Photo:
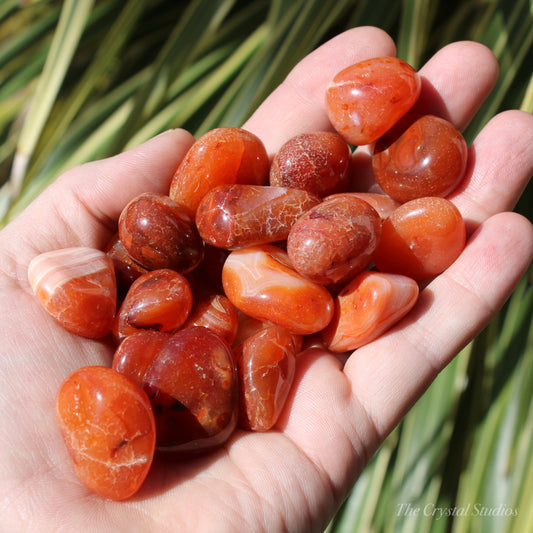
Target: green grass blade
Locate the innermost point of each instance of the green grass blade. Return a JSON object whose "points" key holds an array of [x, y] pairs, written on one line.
{"points": [[71, 25]]}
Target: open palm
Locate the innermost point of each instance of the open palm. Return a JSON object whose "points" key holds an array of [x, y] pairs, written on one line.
{"points": [[294, 477]]}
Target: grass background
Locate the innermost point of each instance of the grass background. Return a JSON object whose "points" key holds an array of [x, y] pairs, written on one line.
{"points": [[83, 79]]}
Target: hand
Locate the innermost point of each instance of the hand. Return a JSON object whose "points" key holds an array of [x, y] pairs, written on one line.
{"points": [[294, 477]]}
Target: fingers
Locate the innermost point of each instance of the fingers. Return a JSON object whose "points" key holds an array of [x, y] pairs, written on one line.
{"points": [[297, 105], [389, 375], [500, 166], [456, 81], [82, 206]]}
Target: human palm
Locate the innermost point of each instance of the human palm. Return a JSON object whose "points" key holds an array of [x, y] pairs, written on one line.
{"points": [[294, 477]]}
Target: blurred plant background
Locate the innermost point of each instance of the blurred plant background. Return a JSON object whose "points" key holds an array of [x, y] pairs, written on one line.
{"points": [[83, 79]]}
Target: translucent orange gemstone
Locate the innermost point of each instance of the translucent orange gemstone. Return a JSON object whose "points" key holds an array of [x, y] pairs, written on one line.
{"points": [[334, 240], [421, 238], [77, 287], [428, 158], [366, 99], [383, 204], [266, 363], [222, 155], [317, 162], [367, 307], [236, 216], [108, 426], [136, 352], [160, 300], [216, 312], [261, 283], [158, 233], [192, 384]]}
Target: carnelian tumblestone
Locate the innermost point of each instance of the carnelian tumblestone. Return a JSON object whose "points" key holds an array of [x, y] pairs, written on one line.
{"points": [[158, 233], [266, 363], [334, 240], [109, 429], [216, 312], [261, 283], [160, 300], [383, 204], [367, 307], [427, 159], [236, 216], [126, 269], [192, 384], [222, 155], [77, 287], [366, 99], [137, 351], [316, 162], [421, 238]]}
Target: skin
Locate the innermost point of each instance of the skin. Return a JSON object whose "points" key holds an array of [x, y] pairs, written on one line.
{"points": [[340, 409]]}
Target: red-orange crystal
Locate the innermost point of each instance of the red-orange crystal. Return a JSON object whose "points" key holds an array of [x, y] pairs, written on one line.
{"points": [[77, 287], [108, 426], [192, 384], [334, 240], [366, 99], [317, 162], [266, 363], [222, 155], [421, 238], [428, 158], [160, 300], [367, 307], [261, 283], [237, 216]]}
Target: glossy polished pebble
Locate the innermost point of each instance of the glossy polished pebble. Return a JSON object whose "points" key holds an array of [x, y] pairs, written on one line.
{"points": [[192, 384], [383, 204], [367, 307], [427, 159], [261, 283], [77, 287], [135, 354], [109, 429], [237, 216], [217, 313], [157, 233], [126, 269], [421, 239], [316, 162], [160, 300], [222, 155], [266, 363], [366, 99], [334, 240]]}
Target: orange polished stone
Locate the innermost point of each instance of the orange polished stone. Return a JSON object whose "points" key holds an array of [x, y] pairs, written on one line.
{"points": [[266, 364], [126, 269], [237, 216], [317, 162], [261, 283], [160, 299], [383, 204], [157, 233], [137, 351], [108, 426], [367, 307], [222, 155], [192, 384], [428, 158], [216, 312], [421, 239], [366, 99], [77, 287], [334, 240]]}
